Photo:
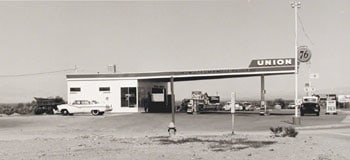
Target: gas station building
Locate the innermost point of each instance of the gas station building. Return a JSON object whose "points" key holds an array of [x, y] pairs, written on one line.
{"points": [[126, 92]]}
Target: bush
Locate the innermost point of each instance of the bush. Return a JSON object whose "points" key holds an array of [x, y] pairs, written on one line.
{"points": [[290, 132], [276, 131], [19, 108], [284, 131], [7, 109], [24, 108]]}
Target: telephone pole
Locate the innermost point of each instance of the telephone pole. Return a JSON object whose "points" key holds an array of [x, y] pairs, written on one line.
{"points": [[296, 5]]}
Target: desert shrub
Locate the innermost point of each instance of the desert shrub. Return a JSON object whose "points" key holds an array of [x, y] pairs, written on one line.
{"points": [[277, 131], [24, 108], [20, 108], [284, 131], [7, 109], [290, 131]]}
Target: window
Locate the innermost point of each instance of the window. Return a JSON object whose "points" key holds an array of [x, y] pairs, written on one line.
{"points": [[75, 89], [128, 96], [105, 89]]}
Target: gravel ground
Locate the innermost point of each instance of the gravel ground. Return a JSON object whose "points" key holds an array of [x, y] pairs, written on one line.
{"points": [[144, 136]]}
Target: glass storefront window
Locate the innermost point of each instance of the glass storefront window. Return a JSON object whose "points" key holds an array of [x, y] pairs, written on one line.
{"points": [[128, 96]]}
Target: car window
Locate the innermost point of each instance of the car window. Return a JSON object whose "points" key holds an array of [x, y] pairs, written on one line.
{"points": [[76, 102], [310, 100], [85, 102]]}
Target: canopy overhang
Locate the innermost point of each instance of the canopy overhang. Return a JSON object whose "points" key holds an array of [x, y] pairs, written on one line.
{"points": [[188, 75]]}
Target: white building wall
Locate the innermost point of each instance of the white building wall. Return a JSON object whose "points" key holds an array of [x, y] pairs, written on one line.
{"points": [[90, 91]]}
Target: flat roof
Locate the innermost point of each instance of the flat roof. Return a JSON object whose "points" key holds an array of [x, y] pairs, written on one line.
{"points": [[189, 75]]}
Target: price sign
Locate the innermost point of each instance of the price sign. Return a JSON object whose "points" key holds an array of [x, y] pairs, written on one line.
{"points": [[331, 106]]}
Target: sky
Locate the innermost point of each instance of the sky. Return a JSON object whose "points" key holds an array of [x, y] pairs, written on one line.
{"points": [[148, 36]]}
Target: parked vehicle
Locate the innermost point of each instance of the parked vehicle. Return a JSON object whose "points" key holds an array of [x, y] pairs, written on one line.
{"points": [[277, 106], [46, 105], [202, 102], [227, 107], [84, 106], [310, 105], [247, 106], [291, 106]]}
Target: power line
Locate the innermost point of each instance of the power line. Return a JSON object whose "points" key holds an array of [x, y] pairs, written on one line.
{"points": [[304, 31], [35, 74]]}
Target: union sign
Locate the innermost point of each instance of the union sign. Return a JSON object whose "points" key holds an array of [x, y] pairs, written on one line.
{"points": [[280, 62]]}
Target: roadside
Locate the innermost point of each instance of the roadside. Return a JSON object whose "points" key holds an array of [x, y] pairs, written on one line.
{"points": [[144, 136], [153, 124]]}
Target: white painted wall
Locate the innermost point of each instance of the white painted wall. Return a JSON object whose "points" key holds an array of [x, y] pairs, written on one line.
{"points": [[90, 91]]}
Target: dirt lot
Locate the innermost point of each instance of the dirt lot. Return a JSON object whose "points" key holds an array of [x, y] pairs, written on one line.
{"points": [[144, 136]]}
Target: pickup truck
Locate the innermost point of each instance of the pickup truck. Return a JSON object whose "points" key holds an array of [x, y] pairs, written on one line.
{"points": [[83, 106], [310, 105]]}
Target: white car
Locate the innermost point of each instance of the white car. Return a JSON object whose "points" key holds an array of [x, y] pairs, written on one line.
{"points": [[291, 106], [227, 107], [83, 106], [248, 106]]}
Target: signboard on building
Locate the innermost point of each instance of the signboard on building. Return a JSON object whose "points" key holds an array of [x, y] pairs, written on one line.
{"points": [[158, 97], [196, 94], [158, 94], [279, 62], [343, 98]]}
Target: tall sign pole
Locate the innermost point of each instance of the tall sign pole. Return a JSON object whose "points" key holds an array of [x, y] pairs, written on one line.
{"points": [[172, 127], [172, 100], [233, 103], [309, 93], [296, 5]]}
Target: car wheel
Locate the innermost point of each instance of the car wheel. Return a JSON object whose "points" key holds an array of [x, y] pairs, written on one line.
{"points": [[101, 113], [64, 112], [95, 112], [38, 111]]}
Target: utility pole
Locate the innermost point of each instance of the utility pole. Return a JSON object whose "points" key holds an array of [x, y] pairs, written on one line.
{"points": [[309, 93], [296, 5]]}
